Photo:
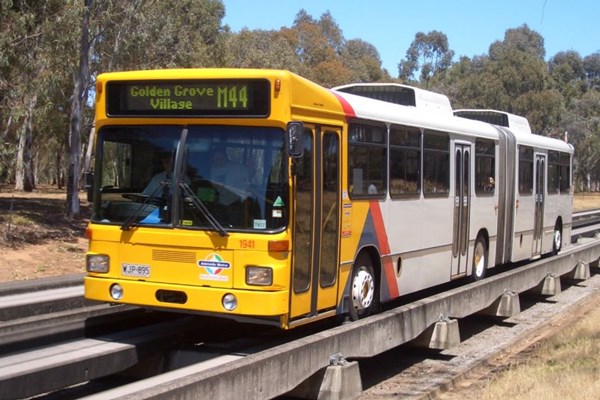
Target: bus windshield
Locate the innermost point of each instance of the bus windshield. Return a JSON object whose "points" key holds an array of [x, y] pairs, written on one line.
{"points": [[220, 178]]}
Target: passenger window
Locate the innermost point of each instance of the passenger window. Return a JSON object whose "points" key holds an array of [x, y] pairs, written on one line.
{"points": [[436, 164], [553, 172], [405, 162], [485, 167], [565, 173], [367, 160], [525, 170]]}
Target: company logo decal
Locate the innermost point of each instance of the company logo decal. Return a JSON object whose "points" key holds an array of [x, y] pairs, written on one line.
{"points": [[214, 264]]}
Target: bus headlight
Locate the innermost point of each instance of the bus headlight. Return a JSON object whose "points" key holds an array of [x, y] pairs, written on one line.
{"points": [[116, 291], [259, 276], [98, 263], [229, 302]]}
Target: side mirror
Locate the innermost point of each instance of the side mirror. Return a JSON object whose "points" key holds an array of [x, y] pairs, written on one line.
{"points": [[295, 139], [89, 185]]}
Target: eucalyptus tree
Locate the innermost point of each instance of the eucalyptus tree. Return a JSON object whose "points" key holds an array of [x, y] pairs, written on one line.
{"points": [[325, 54], [591, 65], [261, 49], [136, 34], [512, 77], [316, 43], [27, 35], [150, 34], [428, 55], [567, 71], [582, 122], [363, 59]]}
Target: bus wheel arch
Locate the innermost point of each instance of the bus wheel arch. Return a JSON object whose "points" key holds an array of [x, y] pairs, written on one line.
{"points": [[365, 284], [480, 256], [557, 236]]}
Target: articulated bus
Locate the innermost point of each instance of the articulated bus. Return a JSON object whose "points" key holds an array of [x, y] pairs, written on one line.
{"points": [[260, 196]]}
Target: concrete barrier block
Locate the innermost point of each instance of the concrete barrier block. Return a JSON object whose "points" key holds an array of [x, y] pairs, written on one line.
{"points": [[442, 335], [581, 272], [550, 286], [341, 382], [507, 305]]}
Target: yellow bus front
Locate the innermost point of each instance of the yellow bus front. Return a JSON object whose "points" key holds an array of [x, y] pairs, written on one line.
{"points": [[191, 206]]}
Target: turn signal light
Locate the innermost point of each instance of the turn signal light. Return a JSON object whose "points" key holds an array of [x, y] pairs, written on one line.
{"points": [[279, 245], [88, 233]]}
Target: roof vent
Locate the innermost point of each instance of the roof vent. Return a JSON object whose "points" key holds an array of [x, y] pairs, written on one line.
{"points": [[399, 94], [514, 122]]}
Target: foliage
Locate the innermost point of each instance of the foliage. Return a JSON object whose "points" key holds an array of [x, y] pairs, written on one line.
{"points": [[557, 96], [261, 49], [327, 57], [591, 65], [40, 57], [428, 54], [582, 122]]}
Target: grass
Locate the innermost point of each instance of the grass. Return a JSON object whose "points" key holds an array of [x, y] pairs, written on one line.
{"points": [[563, 367], [586, 201]]}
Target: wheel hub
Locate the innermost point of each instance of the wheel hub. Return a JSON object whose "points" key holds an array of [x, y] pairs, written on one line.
{"points": [[363, 290], [479, 260], [557, 239]]}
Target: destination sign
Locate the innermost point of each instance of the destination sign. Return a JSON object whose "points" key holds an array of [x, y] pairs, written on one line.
{"points": [[193, 98]]}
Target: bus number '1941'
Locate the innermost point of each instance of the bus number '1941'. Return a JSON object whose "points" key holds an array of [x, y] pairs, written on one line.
{"points": [[230, 96], [246, 244]]}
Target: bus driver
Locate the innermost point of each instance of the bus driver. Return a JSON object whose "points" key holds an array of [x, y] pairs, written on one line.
{"points": [[234, 176]]}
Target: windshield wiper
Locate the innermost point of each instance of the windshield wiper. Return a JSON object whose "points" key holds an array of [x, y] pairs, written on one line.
{"points": [[129, 221], [202, 208]]}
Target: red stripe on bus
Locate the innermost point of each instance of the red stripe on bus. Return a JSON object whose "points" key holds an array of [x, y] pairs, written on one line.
{"points": [[384, 248], [348, 110]]}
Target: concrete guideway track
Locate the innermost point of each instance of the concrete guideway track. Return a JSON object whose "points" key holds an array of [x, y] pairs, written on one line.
{"points": [[280, 369], [40, 370]]}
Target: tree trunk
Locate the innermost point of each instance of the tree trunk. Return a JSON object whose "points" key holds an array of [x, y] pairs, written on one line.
{"points": [[74, 172], [24, 169], [87, 163], [58, 167]]}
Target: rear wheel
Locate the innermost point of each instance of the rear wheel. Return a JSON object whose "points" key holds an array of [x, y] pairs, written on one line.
{"points": [[480, 259], [557, 239], [364, 289]]}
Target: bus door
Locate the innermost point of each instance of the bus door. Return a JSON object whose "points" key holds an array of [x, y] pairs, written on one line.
{"points": [[462, 208], [540, 186], [316, 202]]}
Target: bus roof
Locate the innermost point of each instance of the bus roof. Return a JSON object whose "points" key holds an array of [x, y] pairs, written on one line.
{"points": [[393, 113]]}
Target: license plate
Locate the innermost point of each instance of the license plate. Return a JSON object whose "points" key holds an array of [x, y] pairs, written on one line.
{"points": [[137, 270]]}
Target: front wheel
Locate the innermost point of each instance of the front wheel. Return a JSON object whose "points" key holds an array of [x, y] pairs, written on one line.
{"points": [[480, 259], [364, 289]]}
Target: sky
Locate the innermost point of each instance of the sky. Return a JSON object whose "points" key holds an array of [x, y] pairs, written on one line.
{"points": [[470, 25]]}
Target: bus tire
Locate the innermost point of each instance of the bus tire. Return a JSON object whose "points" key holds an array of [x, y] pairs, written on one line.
{"points": [[557, 238], [480, 259], [364, 290]]}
